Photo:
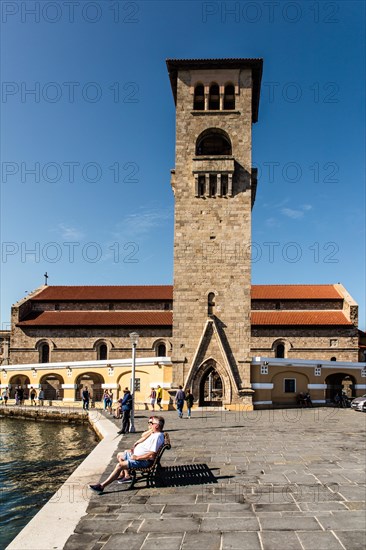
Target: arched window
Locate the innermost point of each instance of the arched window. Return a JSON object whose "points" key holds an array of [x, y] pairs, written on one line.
{"points": [[210, 303], [102, 352], [214, 98], [280, 351], [333, 359], [161, 350], [229, 97], [199, 98], [44, 353], [213, 142]]}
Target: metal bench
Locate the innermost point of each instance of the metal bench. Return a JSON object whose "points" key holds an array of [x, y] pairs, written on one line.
{"points": [[150, 472]]}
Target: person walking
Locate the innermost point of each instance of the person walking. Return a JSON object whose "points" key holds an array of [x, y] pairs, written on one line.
{"points": [[110, 402], [5, 396], [105, 399], [20, 395], [86, 398], [126, 407], [179, 400], [41, 398], [33, 395], [152, 398], [189, 400], [159, 396]]}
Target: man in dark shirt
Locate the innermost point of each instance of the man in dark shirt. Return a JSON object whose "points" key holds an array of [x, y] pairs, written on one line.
{"points": [[179, 400], [126, 407], [86, 396]]}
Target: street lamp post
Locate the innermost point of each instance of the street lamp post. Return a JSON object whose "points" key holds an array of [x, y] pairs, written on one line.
{"points": [[134, 337]]}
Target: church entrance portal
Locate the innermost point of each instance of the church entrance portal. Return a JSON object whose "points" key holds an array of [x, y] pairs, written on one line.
{"points": [[211, 389]]}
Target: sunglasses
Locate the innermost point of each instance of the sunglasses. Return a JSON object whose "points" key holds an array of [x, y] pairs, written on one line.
{"points": [[151, 422]]}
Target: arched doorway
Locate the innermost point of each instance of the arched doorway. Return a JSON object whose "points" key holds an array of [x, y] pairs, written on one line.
{"points": [[93, 382], [210, 384], [211, 389], [52, 387], [19, 380], [338, 382]]}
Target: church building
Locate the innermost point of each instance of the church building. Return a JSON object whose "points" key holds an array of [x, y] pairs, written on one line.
{"points": [[234, 344]]}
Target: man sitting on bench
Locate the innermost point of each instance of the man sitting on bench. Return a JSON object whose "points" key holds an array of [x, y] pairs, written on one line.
{"points": [[141, 455]]}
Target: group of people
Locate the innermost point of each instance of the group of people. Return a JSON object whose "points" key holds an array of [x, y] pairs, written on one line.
{"points": [[341, 399], [180, 398], [156, 396], [304, 399], [20, 396]]}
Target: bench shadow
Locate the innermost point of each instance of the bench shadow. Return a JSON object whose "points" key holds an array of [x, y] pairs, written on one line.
{"points": [[180, 476]]}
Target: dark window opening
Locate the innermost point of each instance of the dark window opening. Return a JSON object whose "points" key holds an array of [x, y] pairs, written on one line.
{"points": [[229, 97], [278, 305], [45, 353], [224, 184], [57, 307], [201, 186], [213, 144], [199, 98], [214, 98], [333, 359], [102, 352], [111, 307], [210, 303], [161, 350], [280, 351], [213, 180], [166, 306], [290, 385]]}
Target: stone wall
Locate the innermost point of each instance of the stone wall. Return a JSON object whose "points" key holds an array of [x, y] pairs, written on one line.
{"points": [[80, 343], [66, 415], [308, 342], [212, 234]]}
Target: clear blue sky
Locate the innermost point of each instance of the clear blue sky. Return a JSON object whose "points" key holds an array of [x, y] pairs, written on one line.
{"points": [[98, 131]]}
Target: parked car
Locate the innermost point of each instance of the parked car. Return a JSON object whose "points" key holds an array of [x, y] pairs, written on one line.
{"points": [[359, 404]]}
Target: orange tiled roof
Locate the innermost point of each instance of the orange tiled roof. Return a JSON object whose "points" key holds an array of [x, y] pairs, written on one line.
{"points": [[295, 292], [299, 318], [165, 318], [98, 318], [165, 292], [100, 293]]}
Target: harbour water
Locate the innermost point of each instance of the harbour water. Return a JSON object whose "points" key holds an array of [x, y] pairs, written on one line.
{"points": [[36, 458]]}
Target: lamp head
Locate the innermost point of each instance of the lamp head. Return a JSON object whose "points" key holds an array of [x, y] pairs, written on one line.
{"points": [[134, 337]]}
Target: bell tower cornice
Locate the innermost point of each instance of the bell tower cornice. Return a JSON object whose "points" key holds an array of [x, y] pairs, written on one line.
{"points": [[215, 66]]}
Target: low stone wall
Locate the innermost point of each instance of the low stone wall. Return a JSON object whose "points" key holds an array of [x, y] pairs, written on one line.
{"points": [[66, 415]]}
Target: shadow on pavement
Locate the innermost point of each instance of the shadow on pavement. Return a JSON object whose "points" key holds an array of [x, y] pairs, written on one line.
{"points": [[186, 474]]}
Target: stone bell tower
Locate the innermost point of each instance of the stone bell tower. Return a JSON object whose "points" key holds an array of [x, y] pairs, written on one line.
{"points": [[214, 186]]}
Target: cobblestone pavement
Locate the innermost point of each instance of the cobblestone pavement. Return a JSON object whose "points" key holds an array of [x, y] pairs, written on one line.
{"points": [[276, 479]]}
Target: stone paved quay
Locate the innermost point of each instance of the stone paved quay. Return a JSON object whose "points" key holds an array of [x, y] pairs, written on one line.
{"points": [[276, 479]]}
